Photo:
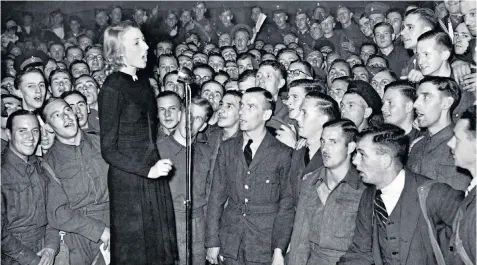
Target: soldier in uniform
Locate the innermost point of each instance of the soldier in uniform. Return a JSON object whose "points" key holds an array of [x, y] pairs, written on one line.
{"points": [[256, 224], [462, 145], [225, 24], [276, 34], [27, 237], [376, 13], [349, 27], [302, 30]]}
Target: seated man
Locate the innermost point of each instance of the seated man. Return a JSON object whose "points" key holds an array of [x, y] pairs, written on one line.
{"points": [[27, 237], [78, 197]]}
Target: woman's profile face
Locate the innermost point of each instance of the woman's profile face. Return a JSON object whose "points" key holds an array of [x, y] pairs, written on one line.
{"points": [[134, 48]]}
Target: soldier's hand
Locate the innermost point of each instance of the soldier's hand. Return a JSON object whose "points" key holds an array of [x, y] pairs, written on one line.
{"points": [[278, 257], [468, 82], [348, 47], [460, 69], [414, 76], [287, 135], [213, 255], [47, 256]]}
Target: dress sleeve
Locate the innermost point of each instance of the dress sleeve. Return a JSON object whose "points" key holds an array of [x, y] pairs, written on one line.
{"points": [[111, 103]]}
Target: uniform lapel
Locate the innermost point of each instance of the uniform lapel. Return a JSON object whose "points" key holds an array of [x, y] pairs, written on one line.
{"points": [[262, 151], [410, 212], [239, 151]]}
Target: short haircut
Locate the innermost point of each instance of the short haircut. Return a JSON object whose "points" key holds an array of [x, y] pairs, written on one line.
{"points": [[204, 103], [378, 56], [442, 39], [389, 139], [86, 75], [350, 131], [55, 43], [94, 46], [244, 56], [404, 87], [234, 93], [74, 47], [389, 71], [173, 94], [383, 24], [426, 15], [246, 74], [342, 78], [3, 96], [19, 76], [370, 44], [222, 49], [307, 65], [215, 54], [166, 40], [57, 71], [166, 56], [309, 85], [394, 10], [269, 102], [469, 115], [204, 66], [276, 66], [343, 62], [212, 81], [73, 92], [18, 113], [326, 104], [446, 85], [75, 62], [282, 51], [222, 72]]}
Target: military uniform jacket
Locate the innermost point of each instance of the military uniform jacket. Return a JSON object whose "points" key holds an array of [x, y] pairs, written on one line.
{"points": [[430, 156], [260, 211]]}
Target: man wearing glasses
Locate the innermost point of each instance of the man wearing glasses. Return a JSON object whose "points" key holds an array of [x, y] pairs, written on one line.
{"points": [[94, 58], [298, 70]]}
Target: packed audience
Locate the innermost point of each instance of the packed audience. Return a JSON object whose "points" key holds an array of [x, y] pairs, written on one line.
{"points": [[320, 137]]}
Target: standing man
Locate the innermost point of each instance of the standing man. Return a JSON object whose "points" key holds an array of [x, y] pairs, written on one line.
{"points": [[316, 110], [436, 99], [463, 148], [390, 226], [281, 27], [27, 237], [174, 148], [256, 224], [349, 27], [384, 37], [328, 205], [302, 30]]}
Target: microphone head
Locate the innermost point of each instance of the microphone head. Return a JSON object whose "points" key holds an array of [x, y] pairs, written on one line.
{"points": [[185, 75]]}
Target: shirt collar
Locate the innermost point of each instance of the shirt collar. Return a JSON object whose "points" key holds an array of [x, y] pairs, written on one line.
{"points": [[472, 185], [20, 165], [443, 134], [397, 185]]}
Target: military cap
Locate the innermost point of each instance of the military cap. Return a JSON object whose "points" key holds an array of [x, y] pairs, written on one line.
{"points": [[376, 8], [30, 57], [56, 12], [279, 10]]}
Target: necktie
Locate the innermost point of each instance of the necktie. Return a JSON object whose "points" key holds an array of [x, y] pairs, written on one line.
{"points": [[307, 156], [380, 208], [248, 152]]}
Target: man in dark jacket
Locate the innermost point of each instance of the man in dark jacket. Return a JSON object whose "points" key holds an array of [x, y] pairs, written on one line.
{"points": [[257, 222], [27, 237], [462, 145], [391, 227]]}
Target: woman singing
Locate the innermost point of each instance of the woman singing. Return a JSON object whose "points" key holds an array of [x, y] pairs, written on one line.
{"points": [[142, 215]]}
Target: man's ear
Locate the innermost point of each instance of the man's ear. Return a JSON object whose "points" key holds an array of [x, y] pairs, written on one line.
{"points": [[351, 147], [267, 114], [447, 102], [282, 82], [386, 160], [393, 37], [9, 134], [202, 128], [367, 112], [409, 107], [88, 108], [445, 55]]}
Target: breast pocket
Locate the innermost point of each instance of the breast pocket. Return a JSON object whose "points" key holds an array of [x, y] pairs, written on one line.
{"points": [[18, 198], [346, 212], [268, 185], [74, 182]]}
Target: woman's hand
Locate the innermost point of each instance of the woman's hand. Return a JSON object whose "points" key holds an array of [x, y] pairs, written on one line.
{"points": [[160, 169]]}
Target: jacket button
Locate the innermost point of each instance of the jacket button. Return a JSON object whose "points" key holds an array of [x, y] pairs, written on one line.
{"points": [[451, 248], [246, 187], [246, 200], [248, 172], [395, 253]]}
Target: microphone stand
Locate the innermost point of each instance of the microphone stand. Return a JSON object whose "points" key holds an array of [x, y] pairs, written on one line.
{"points": [[186, 76]]}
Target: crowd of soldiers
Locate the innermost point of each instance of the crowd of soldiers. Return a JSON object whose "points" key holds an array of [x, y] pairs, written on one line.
{"points": [[326, 138]]}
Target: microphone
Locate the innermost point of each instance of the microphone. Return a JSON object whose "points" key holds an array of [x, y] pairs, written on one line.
{"points": [[185, 75]]}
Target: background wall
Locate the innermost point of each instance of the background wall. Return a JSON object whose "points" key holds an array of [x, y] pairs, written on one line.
{"points": [[241, 9]]}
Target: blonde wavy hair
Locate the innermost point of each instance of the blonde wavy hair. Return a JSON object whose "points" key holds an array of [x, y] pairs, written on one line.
{"points": [[113, 46]]}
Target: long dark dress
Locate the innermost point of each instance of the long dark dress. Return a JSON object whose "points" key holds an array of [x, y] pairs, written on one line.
{"points": [[142, 214]]}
